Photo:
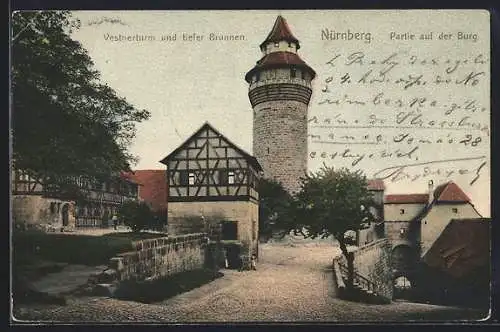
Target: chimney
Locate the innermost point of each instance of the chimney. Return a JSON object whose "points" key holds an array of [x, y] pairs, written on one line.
{"points": [[431, 191]]}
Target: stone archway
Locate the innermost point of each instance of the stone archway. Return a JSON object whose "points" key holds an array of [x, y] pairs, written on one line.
{"points": [[65, 215], [403, 262], [402, 286], [68, 214]]}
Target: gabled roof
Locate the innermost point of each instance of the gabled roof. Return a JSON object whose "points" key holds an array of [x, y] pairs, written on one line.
{"points": [[406, 199], [280, 31], [376, 185], [462, 246], [250, 159], [450, 192], [154, 187]]}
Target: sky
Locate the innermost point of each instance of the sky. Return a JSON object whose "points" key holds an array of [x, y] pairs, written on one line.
{"points": [[184, 83]]}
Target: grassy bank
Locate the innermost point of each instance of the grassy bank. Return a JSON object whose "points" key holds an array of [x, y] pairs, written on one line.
{"points": [[32, 246]]}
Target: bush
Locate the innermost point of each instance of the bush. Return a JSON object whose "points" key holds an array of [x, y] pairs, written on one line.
{"points": [[136, 215]]}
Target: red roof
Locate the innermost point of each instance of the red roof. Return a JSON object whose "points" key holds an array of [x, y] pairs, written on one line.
{"points": [[128, 177], [462, 246], [376, 185], [450, 192], [154, 187], [407, 199], [280, 31], [279, 59]]}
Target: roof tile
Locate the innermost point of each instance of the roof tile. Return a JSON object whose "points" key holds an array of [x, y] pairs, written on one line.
{"points": [[154, 187], [450, 192], [280, 31], [376, 185], [407, 198]]}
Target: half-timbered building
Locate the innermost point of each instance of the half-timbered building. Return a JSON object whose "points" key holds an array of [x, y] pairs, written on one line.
{"points": [[210, 177], [84, 201]]}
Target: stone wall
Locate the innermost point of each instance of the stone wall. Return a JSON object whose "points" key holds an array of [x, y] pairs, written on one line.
{"points": [[35, 210], [161, 257], [245, 213], [280, 140], [372, 261], [439, 217], [367, 235]]}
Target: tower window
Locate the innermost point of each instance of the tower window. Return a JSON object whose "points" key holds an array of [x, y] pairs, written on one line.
{"points": [[289, 44], [402, 211], [276, 44], [303, 75], [293, 73], [454, 210]]}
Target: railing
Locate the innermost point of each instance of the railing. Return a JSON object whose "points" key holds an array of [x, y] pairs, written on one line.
{"points": [[359, 279]]}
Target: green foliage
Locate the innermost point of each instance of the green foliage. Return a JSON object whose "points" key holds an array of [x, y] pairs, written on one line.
{"points": [[136, 215], [64, 120], [274, 207], [332, 202]]}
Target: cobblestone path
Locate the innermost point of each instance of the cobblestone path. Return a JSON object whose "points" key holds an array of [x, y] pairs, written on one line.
{"points": [[292, 283]]}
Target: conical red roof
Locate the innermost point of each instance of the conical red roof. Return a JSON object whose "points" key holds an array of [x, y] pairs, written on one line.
{"points": [[280, 31]]}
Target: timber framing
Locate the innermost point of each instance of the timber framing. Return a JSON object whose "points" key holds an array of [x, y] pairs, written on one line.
{"points": [[209, 167]]}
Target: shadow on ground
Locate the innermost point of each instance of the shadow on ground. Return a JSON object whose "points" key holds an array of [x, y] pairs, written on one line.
{"points": [[161, 289]]}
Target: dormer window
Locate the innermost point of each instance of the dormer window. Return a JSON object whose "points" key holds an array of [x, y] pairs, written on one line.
{"points": [[454, 210], [289, 44]]}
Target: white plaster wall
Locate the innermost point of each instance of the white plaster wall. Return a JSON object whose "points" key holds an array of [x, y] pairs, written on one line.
{"points": [[439, 217], [392, 211], [281, 47]]}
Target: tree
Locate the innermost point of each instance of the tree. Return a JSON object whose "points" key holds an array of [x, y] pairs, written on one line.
{"points": [[136, 215], [65, 122], [274, 204], [332, 202]]}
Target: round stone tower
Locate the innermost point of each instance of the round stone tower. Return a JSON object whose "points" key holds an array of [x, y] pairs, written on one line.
{"points": [[280, 91]]}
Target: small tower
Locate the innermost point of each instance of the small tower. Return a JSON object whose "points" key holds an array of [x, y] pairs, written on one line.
{"points": [[280, 91]]}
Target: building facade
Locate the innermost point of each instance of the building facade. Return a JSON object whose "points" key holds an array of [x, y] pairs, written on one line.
{"points": [[279, 92], [91, 204], [375, 230], [413, 223], [153, 187], [210, 179]]}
